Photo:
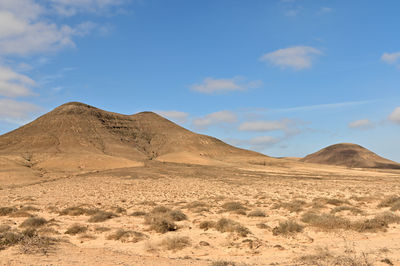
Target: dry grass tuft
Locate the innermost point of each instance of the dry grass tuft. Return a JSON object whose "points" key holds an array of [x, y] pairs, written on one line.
{"points": [[228, 225], [331, 222], [101, 216], [20, 213], [174, 215], [326, 221], [256, 213], [37, 244], [223, 263], [160, 224], [353, 210], [287, 228], [389, 201], [7, 210], [101, 229], [138, 213], [175, 242], [324, 257], [207, 225], [33, 222], [233, 206], [120, 234], [76, 229], [29, 241], [293, 206], [77, 211]]}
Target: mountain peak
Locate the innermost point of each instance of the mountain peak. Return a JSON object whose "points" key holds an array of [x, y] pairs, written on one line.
{"points": [[350, 155]]}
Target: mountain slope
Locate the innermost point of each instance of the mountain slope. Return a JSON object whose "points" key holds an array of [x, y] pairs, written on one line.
{"points": [[80, 135], [350, 155]]}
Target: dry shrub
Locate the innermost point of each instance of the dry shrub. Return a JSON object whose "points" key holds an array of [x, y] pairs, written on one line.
{"points": [[118, 209], [332, 201], [207, 225], [29, 208], [326, 221], [256, 213], [76, 229], [389, 201], [195, 205], [330, 222], [175, 242], [324, 257], [101, 216], [77, 211], [29, 241], [223, 263], [293, 206], [120, 234], [352, 209], [287, 228], [160, 224], [262, 226], [20, 213], [138, 213], [174, 215], [369, 225], [33, 222], [228, 225], [102, 229], [233, 206], [37, 244], [7, 210], [395, 206]]}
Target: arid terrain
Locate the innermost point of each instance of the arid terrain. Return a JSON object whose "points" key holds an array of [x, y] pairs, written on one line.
{"points": [[84, 186]]}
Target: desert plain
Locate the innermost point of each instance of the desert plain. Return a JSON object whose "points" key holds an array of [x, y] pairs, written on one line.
{"points": [[82, 186]]}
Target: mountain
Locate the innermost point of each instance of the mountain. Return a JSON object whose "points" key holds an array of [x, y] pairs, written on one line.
{"points": [[350, 155], [80, 136]]}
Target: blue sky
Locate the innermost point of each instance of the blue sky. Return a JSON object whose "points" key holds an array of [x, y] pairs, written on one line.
{"points": [[283, 77]]}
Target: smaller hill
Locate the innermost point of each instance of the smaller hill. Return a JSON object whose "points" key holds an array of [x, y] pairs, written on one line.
{"points": [[350, 155]]}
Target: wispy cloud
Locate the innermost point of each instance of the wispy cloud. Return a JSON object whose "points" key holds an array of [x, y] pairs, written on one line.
{"points": [[296, 57], [395, 115], [74, 7], [320, 106], [263, 126], [211, 85], [217, 118], [17, 112], [178, 116], [391, 58], [13, 84], [324, 10], [361, 124]]}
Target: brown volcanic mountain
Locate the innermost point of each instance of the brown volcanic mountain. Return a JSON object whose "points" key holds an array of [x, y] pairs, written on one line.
{"points": [[77, 135], [350, 155]]}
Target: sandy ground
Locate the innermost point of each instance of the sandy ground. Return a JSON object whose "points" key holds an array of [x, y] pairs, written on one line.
{"points": [[260, 200]]}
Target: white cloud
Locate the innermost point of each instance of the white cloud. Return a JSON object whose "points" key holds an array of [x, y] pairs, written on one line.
{"points": [[263, 126], [361, 124], [13, 84], [395, 115], [217, 118], [180, 117], [391, 58], [16, 112], [211, 85], [22, 36], [296, 57], [263, 141], [73, 7], [259, 143], [324, 10]]}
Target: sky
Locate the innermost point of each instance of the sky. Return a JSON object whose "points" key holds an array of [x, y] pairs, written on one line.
{"points": [[282, 77]]}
